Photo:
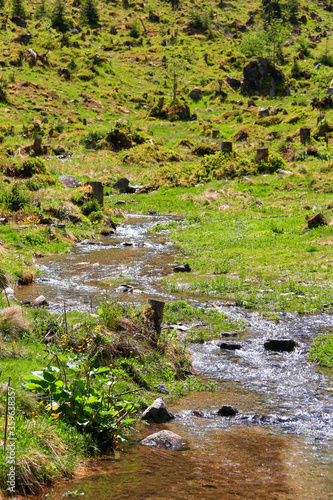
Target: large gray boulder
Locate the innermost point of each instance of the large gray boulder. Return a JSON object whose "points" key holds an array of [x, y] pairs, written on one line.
{"points": [[164, 439], [70, 181], [261, 77], [157, 412]]}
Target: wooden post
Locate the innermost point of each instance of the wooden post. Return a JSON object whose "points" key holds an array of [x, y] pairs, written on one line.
{"points": [[262, 153], [157, 307], [226, 146], [304, 134]]}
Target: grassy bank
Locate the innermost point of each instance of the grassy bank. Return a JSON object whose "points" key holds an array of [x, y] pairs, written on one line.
{"points": [[79, 380]]}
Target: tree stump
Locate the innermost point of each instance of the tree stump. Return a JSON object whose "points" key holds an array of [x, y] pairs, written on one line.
{"points": [[262, 153], [97, 191], [157, 308], [37, 146], [226, 146], [304, 134]]}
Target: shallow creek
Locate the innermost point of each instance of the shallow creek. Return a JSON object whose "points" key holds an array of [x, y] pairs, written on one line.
{"points": [[280, 445]]}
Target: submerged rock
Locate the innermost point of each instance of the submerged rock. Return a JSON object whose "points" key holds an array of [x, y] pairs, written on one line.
{"points": [[157, 412], [280, 345], [227, 411], [230, 347], [164, 439]]}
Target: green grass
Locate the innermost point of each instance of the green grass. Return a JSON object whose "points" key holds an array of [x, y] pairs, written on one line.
{"points": [[321, 351]]}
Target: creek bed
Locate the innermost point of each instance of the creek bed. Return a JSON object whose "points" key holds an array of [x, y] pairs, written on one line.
{"points": [[280, 445]]}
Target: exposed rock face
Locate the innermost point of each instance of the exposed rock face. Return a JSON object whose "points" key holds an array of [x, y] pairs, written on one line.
{"points": [[262, 77], [317, 220], [157, 412], [280, 345], [164, 439]]}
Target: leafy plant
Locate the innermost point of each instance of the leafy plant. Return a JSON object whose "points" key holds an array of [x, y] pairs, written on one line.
{"points": [[81, 395]]}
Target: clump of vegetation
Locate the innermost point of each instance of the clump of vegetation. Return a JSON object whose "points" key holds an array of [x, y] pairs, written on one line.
{"points": [[321, 351], [15, 198], [12, 324], [28, 168], [91, 206]]}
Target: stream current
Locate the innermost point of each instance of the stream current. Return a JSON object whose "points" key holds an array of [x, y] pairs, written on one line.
{"points": [[279, 445]]}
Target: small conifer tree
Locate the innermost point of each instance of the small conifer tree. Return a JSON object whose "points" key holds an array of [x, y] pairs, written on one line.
{"points": [[89, 13], [17, 8], [58, 18], [41, 10]]}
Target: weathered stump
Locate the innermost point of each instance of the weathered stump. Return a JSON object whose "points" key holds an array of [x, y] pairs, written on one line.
{"points": [[226, 146], [304, 134], [37, 146], [97, 191], [262, 153]]}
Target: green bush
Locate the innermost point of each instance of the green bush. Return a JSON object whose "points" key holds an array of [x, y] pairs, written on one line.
{"points": [[17, 198], [91, 206], [96, 216], [135, 31], [92, 139]]}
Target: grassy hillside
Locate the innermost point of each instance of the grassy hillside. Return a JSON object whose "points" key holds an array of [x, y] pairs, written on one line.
{"points": [[149, 91]]}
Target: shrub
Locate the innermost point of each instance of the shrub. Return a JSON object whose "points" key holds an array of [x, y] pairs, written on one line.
{"points": [[58, 18], [135, 31], [92, 139], [17, 8], [16, 198], [96, 216], [91, 206], [30, 167], [89, 13]]}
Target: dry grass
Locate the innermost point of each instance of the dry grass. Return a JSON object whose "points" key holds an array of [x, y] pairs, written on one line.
{"points": [[12, 323]]}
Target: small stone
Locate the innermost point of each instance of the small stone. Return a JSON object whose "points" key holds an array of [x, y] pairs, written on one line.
{"points": [[182, 269], [39, 301], [227, 411], [230, 347], [164, 439], [280, 345], [157, 412], [161, 388]]}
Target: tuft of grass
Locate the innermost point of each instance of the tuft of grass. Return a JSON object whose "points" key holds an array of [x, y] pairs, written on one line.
{"points": [[321, 351]]}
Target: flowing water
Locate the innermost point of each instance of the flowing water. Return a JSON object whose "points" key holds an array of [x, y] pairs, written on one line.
{"points": [[279, 445]]}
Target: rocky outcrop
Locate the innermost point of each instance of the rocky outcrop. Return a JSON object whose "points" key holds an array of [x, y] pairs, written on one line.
{"points": [[164, 439], [157, 412], [261, 77]]}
